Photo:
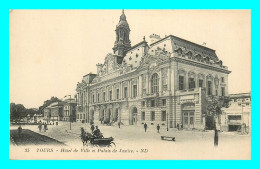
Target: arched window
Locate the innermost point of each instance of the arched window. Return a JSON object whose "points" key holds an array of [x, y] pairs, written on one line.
{"points": [[155, 83]]}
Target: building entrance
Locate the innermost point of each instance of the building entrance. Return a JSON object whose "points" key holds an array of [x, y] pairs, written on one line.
{"points": [[188, 119], [133, 116]]}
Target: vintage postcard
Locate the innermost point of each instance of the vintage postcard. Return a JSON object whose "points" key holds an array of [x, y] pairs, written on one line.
{"points": [[130, 84]]}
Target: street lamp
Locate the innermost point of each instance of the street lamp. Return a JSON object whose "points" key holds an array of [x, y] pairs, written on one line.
{"points": [[69, 110], [167, 122]]}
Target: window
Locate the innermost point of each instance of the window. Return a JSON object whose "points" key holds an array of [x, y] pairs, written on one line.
{"points": [[154, 83], [93, 98], [152, 116], [222, 79], [216, 92], [200, 83], [125, 92], [98, 98], [191, 83], [104, 96], [135, 90], [80, 116], [110, 95], [117, 93], [209, 88], [163, 116], [152, 103], [83, 116], [143, 116], [222, 91], [143, 103], [164, 102], [181, 82]]}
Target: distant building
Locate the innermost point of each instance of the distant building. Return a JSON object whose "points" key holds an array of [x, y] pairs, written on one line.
{"points": [[238, 112], [53, 112], [166, 82], [69, 110]]}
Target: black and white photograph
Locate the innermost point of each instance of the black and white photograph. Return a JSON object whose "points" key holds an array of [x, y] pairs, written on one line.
{"points": [[130, 84]]}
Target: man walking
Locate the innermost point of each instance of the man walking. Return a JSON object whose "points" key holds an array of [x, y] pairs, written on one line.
{"points": [[40, 127], [158, 128], [145, 127]]}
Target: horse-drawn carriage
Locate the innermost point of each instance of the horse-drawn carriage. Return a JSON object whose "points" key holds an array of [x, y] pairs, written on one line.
{"points": [[93, 140]]}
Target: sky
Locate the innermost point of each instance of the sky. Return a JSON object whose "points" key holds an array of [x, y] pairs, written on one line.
{"points": [[51, 50]]}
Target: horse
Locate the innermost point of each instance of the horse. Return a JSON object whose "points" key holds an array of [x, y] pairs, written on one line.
{"points": [[85, 136], [95, 140]]}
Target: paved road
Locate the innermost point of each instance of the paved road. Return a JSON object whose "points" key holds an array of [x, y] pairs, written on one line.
{"points": [[29, 137]]}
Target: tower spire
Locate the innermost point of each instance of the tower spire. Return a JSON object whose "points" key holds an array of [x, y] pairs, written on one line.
{"points": [[122, 43]]}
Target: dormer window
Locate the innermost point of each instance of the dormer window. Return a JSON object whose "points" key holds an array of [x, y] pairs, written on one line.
{"points": [[130, 58], [137, 55], [164, 45]]}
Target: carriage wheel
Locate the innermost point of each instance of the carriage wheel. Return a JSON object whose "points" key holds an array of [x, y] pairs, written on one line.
{"points": [[112, 145]]}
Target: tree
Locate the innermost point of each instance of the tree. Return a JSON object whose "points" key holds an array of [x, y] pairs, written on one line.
{"points": [[214, 106], [48, 102], [17, 111], [214, 110]]}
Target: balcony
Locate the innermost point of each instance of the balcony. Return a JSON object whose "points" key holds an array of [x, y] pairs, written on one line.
{"points": [[188, 91]]}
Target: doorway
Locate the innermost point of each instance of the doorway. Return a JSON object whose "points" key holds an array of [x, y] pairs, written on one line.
{"points": [[133, 116], [188, 119]]}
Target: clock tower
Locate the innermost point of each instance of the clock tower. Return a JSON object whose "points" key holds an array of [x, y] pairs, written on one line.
{"points": [[122, 43]]}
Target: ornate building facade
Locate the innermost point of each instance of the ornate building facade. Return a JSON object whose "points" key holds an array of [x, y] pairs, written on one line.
{"points": [[166, 82]]}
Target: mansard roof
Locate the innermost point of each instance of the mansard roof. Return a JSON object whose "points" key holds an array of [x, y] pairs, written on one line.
{"points": [[137, 45], [198, 45]]}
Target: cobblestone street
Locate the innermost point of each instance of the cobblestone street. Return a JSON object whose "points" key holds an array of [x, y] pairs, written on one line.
{"points": [[188, 144]]}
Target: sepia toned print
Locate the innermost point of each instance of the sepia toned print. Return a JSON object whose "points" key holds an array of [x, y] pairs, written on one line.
{"points": [[104, 91]]}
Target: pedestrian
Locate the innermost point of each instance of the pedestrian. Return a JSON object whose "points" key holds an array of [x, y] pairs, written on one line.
{"points": [[92, 128], [216, 138], [40, 127], [158, 128], [118, 124], [45, 127], [145, 127], [20, 131], [178, 127]]}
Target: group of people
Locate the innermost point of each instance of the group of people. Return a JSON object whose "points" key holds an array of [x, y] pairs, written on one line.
{"points": [[157, 127], [42, 126], [96, 132]]}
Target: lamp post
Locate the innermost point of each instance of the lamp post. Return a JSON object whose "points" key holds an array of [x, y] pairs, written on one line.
{"points": [[69, 110], [167, 122]]}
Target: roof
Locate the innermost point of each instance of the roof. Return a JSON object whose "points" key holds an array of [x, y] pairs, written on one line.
{"points": [[240, 95], [182, 40], [138, 44]]}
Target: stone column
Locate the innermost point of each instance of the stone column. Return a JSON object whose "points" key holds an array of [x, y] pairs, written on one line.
{"points": [[147, 84], [169, 79], [140, 86], [130, 88], [121, 90], [160, 81]]}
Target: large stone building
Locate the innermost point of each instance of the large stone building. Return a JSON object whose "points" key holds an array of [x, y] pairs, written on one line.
{"points": [[166, 82]]}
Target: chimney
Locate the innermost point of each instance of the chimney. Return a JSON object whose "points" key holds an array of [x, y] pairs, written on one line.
{"points": [[153, 38]]}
